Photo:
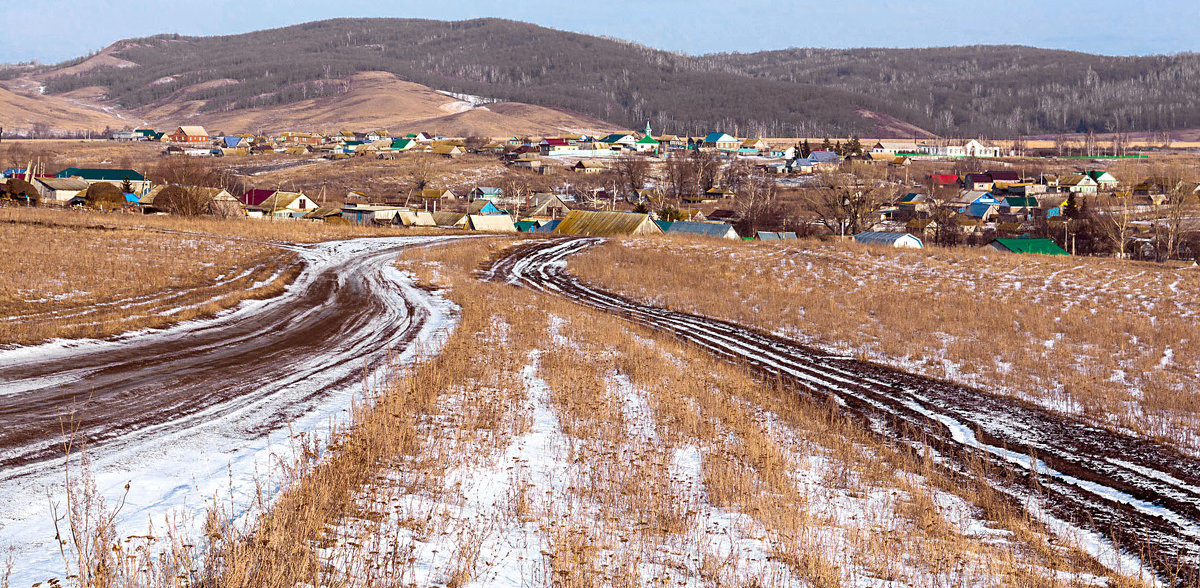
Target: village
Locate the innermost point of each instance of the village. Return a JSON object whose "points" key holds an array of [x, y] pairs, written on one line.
{"points": [[887, 192]]}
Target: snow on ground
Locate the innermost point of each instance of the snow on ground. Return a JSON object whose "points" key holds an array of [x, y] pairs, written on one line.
{"points": [[175, 476]]}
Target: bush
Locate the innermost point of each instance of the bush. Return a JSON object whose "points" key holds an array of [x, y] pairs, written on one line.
{"points": [[181, 201], [19, 187]]}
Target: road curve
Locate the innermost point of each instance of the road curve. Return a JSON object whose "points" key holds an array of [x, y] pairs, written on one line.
{"points": [[1142, 496], [204, 407]]}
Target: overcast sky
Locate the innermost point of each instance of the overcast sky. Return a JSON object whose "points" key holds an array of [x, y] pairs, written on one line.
{"points": [[55, 30]]}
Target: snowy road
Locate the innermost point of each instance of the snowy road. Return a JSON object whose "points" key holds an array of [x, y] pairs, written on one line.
{"points": [[200, 409], [1118, 496]]}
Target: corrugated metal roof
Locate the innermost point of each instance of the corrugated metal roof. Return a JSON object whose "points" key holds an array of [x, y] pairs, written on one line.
{"points": [[1041, 246], [449, 219], [491, 223], [416, 218], [715, 230], [591, 223], [64, 183], [889, 239], [548, 227]]}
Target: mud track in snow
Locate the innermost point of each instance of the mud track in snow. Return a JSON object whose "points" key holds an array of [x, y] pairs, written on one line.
{"points": [[330, 323], [1142, 496]]}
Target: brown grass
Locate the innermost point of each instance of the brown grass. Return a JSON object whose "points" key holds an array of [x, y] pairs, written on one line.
{"points": [[612, 457], [66, 273], [1105, 339]]}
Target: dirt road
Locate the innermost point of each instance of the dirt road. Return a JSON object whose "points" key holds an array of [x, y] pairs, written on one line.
{"points": [[1116, 489], [177, 410]]}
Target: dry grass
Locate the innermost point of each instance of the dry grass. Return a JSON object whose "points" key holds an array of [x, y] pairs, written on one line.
{"points": [[550, 444], [72, 274], [1108, 340]]}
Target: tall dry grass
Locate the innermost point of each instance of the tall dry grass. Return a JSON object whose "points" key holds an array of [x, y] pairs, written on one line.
{"points": [[1107, 340], [550, 444]]}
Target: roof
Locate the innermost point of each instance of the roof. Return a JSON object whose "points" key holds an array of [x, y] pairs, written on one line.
{"points": [[823, 156], [435, 193], [591, 223], [664, 225], [492, 223], [1005, 176], [647, 140], [979, 178], [401, 144], [1021, 201], [194, 131], [719, 138], [525, 226], [1040, 246], [416, 218], [1076, 180], [256, 197], [548, 227], [913, 197], [280, 200], [615, 137], [717, 230], [943, 178], [483, 207], [590, 164], [889, 239], [446, 149], [64, 183], [487, 191], [449, 219], [324, 212], [98, 174], [556, 142]]}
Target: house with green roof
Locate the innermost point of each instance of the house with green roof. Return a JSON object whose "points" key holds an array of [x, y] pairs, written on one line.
{"points": [[646, 143], [1103, 179], [1038, 246], [116, 177]]}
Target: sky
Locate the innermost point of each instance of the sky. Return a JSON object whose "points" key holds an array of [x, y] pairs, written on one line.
{"points": [[64, 29]]}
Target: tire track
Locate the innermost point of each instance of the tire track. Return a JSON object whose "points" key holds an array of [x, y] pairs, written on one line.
{"points": [[1142, 496]]}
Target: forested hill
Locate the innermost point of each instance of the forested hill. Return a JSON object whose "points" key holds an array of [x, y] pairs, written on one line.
{"points": [[964, 91]]}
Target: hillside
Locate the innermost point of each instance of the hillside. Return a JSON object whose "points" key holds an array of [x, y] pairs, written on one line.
{"points": [[954, 91]]}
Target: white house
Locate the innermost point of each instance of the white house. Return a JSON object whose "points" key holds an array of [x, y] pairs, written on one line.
{"points": [[971, 148]]}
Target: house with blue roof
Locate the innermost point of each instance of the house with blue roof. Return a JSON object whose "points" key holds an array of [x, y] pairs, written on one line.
{"points": [[721, 141], [485, 193], [977, 205], [231, 142]]}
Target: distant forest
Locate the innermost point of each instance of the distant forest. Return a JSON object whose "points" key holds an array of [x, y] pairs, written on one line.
{"points": [[959, 91]]}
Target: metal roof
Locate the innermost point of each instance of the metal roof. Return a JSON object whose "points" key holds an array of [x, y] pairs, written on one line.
{"points": [[106, 175], [889, 239], [491, 223], [1040, 246], [591, 223], [716, 230]]}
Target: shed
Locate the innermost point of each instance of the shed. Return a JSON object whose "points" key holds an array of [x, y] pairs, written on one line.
{"points": [[591, 223], [490, 223], [1039, 246], [456, 220], [898, 240], [714, 230], [414, 218]]}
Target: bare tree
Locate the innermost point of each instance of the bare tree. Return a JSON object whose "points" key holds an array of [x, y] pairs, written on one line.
{"points": [[680, 178], [756, 203], [1114, 224], [420, 174], [846, 202], [632, 171]]}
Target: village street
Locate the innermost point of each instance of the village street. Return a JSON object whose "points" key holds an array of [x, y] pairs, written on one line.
{"points": [[207, 407]]}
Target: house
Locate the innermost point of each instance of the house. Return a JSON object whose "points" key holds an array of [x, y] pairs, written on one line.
{"points": [[301, 138], [626, 139], [898, 240], [557, 147], [589, 166], [894, 147], [913, 204], [754, 146], [824, 159], [645, 144], [483, 207], [1077, 183], [490, 223], [1039, 246], [447, 150], [283, 203], [720, 141], [979, 182], [724, 215], [402, 144], [436, 195], [485, 193], [414, 218], [977, 205], [59, 190], [256, 196], [366, 214], [117, 177], [703, 229], [800, 166], [189, 134], [590, 223], [220, 201], [971, 148], [1103, 179], [546, 205], [323, 214], [456, 220], [1023, 207]]}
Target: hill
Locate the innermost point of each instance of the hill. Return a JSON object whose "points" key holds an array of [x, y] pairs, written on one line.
{"points": [[951, 91]]}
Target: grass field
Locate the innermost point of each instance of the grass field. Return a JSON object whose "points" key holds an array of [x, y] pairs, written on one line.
{"points": [[574, 449], [1108, 340], [71, 274]]}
